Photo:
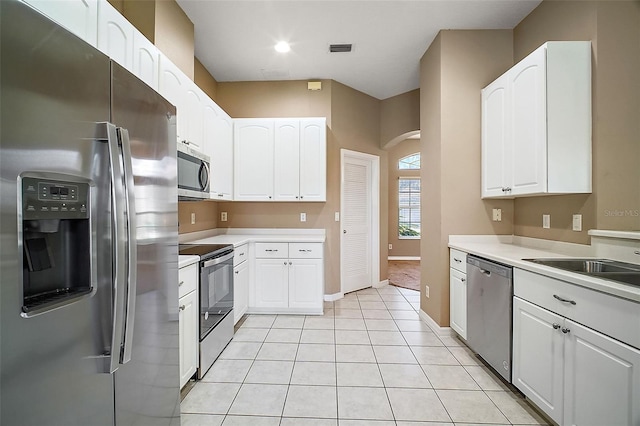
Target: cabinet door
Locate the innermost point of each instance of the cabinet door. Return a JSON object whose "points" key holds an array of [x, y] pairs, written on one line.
{"points": [[496, 146], [458, 302], [78, 16], [538, 356], [313, 160], [218, 142], [306, 284], [172, 85], [253, 160], [194, 102], [528, 126], [115, 35], [602, 379], [240, 290], [271, 283], [287, 160], [188, 330], [146, 60]]}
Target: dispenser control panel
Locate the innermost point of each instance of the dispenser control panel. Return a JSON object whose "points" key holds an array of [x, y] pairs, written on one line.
{"points": [[52, 199]]}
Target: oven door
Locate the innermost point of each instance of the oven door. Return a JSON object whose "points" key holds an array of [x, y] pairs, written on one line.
{"points": [[216, 291]]}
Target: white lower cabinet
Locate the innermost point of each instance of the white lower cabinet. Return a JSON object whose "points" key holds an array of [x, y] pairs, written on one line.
{"points": [[240, 282], [575, 374], [458, 292], [188, 321], [289, 278]]}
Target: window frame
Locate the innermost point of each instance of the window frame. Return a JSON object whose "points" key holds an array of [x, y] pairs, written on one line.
{"points": [[410, 207]]}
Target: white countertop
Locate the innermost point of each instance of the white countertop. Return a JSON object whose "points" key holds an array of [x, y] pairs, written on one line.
{"points": [[184, 260], [512, 250], [238, 237]]}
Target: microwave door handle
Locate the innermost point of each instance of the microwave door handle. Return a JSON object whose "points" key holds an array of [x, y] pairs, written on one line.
{"points": [[132, 258], [204, 182], [218, 260], [119, 248]]}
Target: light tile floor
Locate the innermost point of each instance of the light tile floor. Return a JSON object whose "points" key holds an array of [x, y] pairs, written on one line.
{"points": [[369, 360]]}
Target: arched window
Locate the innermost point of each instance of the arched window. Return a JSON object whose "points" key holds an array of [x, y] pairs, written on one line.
{"points": [[409, 199], [410, 162]]}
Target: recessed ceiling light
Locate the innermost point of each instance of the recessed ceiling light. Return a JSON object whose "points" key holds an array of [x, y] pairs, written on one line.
{"points": [[282, 47]]}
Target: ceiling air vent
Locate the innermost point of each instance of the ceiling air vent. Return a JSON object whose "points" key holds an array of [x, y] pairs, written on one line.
{"points": [[336, 48]]}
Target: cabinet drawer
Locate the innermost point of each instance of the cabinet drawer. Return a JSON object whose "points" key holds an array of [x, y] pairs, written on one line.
{"points": [[187, 279], [611, 315], [240, 254], [458, 260], [305, 250], [272, 250]]}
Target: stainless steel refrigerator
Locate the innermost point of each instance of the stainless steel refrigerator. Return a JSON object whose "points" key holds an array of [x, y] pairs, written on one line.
{"points": [[88, 235]]}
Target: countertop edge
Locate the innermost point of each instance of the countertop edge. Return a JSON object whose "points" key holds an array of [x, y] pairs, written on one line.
{"points": [[186, 260]]}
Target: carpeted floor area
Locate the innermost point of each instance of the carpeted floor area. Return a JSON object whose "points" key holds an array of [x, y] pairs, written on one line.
{"points": [[405, 273]]}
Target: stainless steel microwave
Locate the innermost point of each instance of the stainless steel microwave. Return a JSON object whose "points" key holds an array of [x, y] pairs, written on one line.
{"points": [[193, 174]]}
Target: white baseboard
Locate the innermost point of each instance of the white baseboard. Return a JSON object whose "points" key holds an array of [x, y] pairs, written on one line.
{"points": [[381, 284], [333, 297], [440, 331], [403, 258]]}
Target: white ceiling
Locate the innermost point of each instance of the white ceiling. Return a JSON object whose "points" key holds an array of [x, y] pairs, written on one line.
{"points": [[235, 39]]}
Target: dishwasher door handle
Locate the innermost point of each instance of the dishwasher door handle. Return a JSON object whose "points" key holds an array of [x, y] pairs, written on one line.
{"points": [[487, 273]]}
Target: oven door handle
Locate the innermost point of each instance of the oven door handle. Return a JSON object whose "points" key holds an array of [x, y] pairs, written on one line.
{"points": [[218, 260]]}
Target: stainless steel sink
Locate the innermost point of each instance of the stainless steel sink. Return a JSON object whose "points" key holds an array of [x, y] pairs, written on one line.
{"points": [[628, 273]]}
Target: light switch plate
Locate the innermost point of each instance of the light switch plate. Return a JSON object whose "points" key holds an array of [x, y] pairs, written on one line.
{"points": [[223, 216], [577, 222], [303, 217], [390, 246], [546, 221], [193, 218], [336, 216]]}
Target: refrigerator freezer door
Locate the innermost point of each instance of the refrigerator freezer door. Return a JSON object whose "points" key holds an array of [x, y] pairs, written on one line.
{"points": [[55, 88], [147, 386]]}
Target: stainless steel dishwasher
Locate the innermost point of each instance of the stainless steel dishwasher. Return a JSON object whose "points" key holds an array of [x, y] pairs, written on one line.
{"points": [[489, 312]]}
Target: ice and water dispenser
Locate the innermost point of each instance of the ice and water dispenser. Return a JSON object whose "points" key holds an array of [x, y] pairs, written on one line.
{"points": [[56, 240]]}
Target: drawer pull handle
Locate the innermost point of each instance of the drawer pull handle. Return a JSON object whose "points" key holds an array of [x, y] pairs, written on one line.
{"points": [[487, 273], [271, 250], [237, 272], [564, 300], [565, 330], [180, 284], [556, 326], [241, 254], [305, 251], [637, 252], [457, 260], [182, 307]]}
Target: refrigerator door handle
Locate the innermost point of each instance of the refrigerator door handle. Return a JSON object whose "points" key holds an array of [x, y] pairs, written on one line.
{"points": [[119, 247], [132, 258]]}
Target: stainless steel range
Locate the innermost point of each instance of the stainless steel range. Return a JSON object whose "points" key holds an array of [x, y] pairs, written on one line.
{"points": [[216, 299]]}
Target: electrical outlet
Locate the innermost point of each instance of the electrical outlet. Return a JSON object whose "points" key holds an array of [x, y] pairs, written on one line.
{"points": [[546, 221], [390, 246], [303, 217], [193, 218], [577, 222], [336, 216], [426, 291], [497, 215], [223, 216]]}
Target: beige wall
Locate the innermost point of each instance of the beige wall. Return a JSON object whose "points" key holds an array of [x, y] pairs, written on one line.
{"points": [[401, 247], [206, 216], [352, 121], [204, 80], [452, 72], [174, 35], [399, 115], [614, 29]]}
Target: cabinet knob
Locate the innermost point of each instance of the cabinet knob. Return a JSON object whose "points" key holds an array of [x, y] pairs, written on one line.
{"points": [[637, 252], [556, 326], [182, 307], [180, 283], [290, 263], [297, 197], [301, 197], [285, 263], [237, 272], [565, 330], [463, 279], [269, 196], [344, 231]]}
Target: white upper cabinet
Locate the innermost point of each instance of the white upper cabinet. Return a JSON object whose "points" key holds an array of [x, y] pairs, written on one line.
{"points": [[253, 159], [115, 35], [536, 124], [218, 142], [146, 60], [193, 117], [172, 85], [287, 160], [78, 16], [313, 159]]}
